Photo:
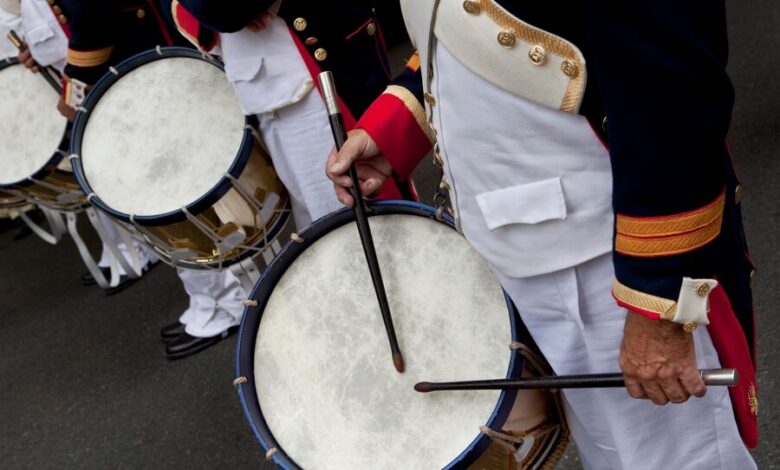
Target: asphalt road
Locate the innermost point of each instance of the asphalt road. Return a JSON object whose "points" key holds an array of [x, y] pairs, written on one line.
{"points": [[83, 380]]}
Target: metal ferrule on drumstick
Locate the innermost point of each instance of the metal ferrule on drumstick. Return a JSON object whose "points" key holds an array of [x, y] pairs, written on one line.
{"points": [[711, 377], [328, 88], [48, 73]]}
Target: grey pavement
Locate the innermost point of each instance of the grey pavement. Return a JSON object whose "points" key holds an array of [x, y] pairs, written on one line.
{"points": [[83, 380]]}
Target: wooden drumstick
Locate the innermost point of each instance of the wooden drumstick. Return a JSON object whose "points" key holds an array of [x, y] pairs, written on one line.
{"points": [[48, 73], [711, 377], [328, 88]]}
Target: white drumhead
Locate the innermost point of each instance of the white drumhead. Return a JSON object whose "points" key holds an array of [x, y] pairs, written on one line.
{"points": [[324, 375], [31, 129], [162, 136]]}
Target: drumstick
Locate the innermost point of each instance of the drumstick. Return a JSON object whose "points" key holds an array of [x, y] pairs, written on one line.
{"points": [[48, 73], [711, 377], [328, 88]]}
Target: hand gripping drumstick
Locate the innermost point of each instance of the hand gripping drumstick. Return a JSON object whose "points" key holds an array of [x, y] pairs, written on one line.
{"points": [[328, 88], [48, 72], [712, 377]]}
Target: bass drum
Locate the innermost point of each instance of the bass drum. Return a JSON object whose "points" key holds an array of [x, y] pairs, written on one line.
{"points": [[315, 376], [162, 146], [33, 142]]}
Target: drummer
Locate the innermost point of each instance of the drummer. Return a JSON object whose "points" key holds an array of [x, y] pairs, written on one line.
{"points": [[273, 51], [540, 197], [102, 34], [46, 44]]}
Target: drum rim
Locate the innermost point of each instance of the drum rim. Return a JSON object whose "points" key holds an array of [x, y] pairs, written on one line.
{"points": [[252, 316], [101, 87], [51, 164]]}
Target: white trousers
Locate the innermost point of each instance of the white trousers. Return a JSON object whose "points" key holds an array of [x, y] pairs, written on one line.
{"points": [[299, 140], [574, 319], [216, 302], [145, 254]]}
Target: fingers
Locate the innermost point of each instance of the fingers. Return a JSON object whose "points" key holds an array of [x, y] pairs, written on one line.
{"points": [[691, 380], [635, 389], [673, 389], [344, 196], [655, 393]]}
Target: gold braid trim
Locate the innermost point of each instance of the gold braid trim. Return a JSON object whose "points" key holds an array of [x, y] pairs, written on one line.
{"points": [[667, 246], [551, 43], [89, 58], [665, 308], [414, 106], [641, 227]]}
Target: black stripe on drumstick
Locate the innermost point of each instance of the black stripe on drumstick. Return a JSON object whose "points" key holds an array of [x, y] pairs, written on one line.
{"points": [[711, 377], [328, 88]]}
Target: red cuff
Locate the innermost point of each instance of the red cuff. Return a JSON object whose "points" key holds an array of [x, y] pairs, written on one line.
{"points": [[397, 133]]}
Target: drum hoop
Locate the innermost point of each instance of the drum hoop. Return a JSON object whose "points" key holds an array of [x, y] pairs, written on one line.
{"points": [[94, 96], [56, 157], [252, 316]]}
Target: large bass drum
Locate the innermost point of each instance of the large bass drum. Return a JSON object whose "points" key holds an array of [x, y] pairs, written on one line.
{"points": [[33, 142], [162, 146], [314, 371]]}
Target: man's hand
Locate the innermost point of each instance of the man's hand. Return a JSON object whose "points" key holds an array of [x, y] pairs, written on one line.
{"points": [[66, 110], [659, 361], [261, 22], [373, 169], [26, 58]]}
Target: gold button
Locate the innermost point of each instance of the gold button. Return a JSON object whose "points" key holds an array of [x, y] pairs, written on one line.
{"points": [[738, 194], [472, 7], [537, 54], [570, 69], [430, 99], [320, 54], [753, 274], [690, 327], [371, 29], [56, 9], [62, 19], [300, 24], [312, 41], [703, 290], [507, 39], [140, 14]]}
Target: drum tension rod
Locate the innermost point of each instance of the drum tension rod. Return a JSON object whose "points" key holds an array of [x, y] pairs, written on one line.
{"points": [[328, 88]]}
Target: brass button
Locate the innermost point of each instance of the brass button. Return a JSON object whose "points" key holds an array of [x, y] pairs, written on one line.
{"points": [[140, 14], [507, 39], [690, 327], [300, 24], [703, 290], [738, 194], [56, 9], [472, 7], [312, 41], [570, 69], [62, 19], [320, 54], [753, 274], [537, 54], [371, 29], [430, 99]]}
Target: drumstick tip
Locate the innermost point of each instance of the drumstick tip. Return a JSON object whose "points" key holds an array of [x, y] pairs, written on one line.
{"points": [[398, 362], [422, 387]]}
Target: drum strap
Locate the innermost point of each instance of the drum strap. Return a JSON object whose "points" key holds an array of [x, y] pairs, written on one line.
{"points": [[132, 267], [56, 225]]}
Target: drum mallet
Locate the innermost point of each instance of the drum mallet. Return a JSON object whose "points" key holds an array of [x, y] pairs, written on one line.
{"points": [[711, 377], [48, 72], [328, 88]]}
